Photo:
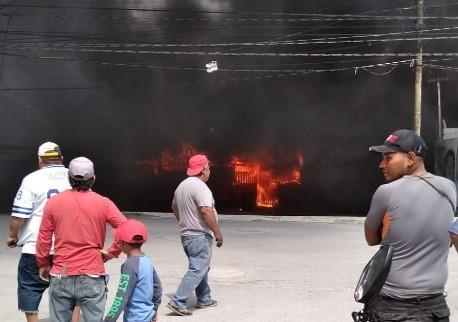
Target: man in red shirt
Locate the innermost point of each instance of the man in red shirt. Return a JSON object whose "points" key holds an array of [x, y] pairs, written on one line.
{"points": [[77, 218]]}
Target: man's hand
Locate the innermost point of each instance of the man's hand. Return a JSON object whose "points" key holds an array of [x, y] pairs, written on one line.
{"points": [[175, 212], [44, 273], [209, 216], [454, 238], [106, 256], [13, 230], [219, 239], [11, 242]]}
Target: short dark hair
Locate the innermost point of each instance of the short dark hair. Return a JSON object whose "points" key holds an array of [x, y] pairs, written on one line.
{"points": [[81, 185], [135, 245]]}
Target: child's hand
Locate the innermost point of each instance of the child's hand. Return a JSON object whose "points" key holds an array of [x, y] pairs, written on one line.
{"points": [[106, 256]]}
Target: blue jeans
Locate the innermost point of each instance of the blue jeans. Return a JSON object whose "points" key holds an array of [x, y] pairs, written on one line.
{"points": [[198, 248], [67, 292]]}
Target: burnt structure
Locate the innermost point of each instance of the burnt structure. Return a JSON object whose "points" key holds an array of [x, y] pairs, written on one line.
{"points": [[123, 82]]}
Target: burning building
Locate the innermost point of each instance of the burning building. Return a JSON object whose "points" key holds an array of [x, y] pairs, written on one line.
{"points": [[243, 183], [300, 91]]}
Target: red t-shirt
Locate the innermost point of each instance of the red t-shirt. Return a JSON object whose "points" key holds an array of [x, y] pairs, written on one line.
{"points": [[78, 220]]}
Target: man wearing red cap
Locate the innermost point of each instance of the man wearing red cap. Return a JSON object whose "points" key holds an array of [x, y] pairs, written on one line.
{"points": [[194, 208]]}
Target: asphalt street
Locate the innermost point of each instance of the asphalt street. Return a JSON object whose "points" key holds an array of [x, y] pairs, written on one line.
{"points": [[269, 269]]}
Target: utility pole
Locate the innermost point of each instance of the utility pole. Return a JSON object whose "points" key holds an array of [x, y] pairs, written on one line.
{"points": [[418, 70], [440, 135], [440, 121]]}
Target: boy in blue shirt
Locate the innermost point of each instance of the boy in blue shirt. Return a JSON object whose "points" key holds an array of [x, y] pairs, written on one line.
{"points": [[139, 292]]}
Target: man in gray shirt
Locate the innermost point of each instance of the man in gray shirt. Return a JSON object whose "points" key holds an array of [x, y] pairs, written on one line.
{"points": [[194, 208], [413, 213]]}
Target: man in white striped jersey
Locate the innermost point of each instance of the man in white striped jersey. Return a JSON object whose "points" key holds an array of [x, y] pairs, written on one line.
{"points": [[36, 188]]}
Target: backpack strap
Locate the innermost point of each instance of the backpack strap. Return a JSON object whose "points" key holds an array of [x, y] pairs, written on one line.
{"points": [[443, 194]]}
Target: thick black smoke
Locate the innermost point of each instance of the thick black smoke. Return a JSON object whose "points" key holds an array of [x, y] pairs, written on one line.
{"points": [[106, 106]]}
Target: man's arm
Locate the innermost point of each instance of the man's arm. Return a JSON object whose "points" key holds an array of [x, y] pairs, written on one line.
{"points": [[44, 243], [374, 219], [454, 234], [115, 218], [373, 236], [208, 215], [126, 286], [454, 238], [157, 293], [13, 231], [175, 211], [22, 210]]}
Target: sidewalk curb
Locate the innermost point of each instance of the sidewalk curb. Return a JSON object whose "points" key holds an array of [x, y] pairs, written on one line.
{"points": [[245, 218]]}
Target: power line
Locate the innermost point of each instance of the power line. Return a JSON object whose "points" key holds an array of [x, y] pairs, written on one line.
{"points": [[309, 18], [262, 43], [161, 10], [281, 73], [3, 49], [87, 60], [441, 67], [285, 73], [255, 13], [253, 54], [238, 70], [8, 89]]}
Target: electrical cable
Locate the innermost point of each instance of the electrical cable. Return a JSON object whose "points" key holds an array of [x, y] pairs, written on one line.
{"points": [[273, 43], [253, 54], [312, 18]]}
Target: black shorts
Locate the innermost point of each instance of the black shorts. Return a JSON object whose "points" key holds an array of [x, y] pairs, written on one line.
{"points": [[427, 309]]}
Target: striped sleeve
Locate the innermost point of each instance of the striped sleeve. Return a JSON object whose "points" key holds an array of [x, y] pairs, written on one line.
{"points": [[23, 202]]}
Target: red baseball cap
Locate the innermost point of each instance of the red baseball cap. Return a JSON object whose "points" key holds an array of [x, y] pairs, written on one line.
{"points": [[196, 164], [132, 231]]}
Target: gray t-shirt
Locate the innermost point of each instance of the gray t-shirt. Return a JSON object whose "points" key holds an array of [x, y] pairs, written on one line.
{"points": [[414, 219], [191, 194]]}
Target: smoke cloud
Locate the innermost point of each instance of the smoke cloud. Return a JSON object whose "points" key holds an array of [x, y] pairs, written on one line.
{"points": [[119, 106]]}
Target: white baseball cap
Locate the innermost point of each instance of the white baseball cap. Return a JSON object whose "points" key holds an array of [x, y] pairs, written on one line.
{"points": [[49, 149], [81, 169]]}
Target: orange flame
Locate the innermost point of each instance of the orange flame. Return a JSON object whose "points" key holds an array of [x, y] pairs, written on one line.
{"points": [[251, 172], [266, 182], [169, 160]]}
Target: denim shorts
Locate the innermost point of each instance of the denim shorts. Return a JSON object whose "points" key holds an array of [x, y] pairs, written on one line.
{"points": [[30, 286]]}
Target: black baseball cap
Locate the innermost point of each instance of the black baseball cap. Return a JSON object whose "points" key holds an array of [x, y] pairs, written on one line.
{"points": [[402, 141]]}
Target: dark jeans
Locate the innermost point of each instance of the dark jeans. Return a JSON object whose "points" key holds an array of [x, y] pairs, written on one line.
{"points": [[30, 286], [435, 309]]}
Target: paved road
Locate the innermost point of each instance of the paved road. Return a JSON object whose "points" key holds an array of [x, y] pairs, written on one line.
{"points": [[267, 270]]}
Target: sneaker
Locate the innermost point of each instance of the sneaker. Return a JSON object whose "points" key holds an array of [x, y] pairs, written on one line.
{"points": [[200, 305], [179, 310]]}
